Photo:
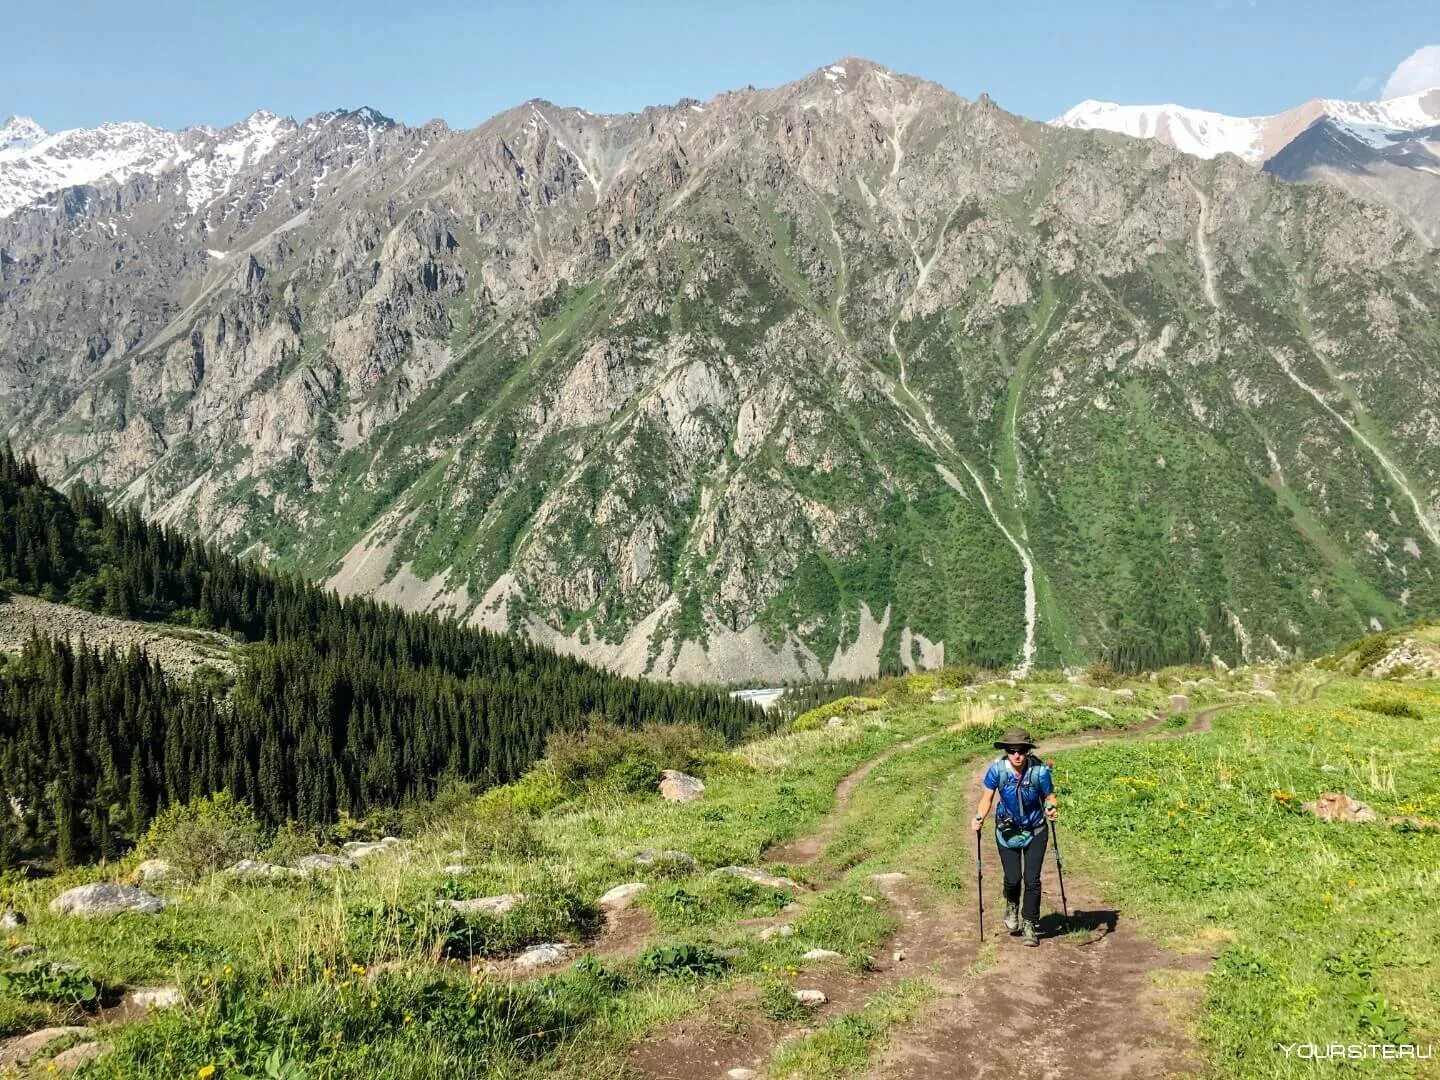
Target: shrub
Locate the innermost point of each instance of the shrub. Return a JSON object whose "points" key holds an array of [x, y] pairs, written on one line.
{"points": [[686, 961], [846, 706], [426, 926], [1102, 673], [291, 841], [778, 1000], [200, 837], [954, 676], [1390, 706], [49, 982], [604, 754]]}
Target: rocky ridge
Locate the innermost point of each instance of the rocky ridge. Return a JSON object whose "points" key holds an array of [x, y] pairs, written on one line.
{"points": [[846, 373]]}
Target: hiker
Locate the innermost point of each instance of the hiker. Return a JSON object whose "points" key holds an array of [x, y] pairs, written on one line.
{"points": [[1020, 782]]}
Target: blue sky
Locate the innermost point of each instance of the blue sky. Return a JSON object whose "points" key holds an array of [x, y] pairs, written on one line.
{"points": [[174, 63]]}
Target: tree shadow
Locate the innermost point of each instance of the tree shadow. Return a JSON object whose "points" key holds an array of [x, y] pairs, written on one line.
{"points": [[1092, 925]]}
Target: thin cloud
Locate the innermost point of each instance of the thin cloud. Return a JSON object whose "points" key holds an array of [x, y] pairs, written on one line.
{"points": [[1418, 71], [1365, 84]]}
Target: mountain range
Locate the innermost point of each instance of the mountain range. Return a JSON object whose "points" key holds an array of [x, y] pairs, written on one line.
{"points": [[846, 374], [1381, 151]]}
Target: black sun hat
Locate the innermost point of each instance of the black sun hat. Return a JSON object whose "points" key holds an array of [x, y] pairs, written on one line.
{"points": [[1015, 736]]}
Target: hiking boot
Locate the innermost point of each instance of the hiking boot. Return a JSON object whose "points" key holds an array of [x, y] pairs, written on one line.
{"points": [[1012, 916], [1027, 927]]}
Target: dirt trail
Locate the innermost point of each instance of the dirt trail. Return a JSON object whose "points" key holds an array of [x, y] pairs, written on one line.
{"points": [[1082, 1006]]}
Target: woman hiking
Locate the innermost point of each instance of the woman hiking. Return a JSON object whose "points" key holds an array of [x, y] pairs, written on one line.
{"points": [[1020, 782]]}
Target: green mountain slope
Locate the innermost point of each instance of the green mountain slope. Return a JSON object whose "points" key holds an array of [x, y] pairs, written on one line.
{"points": [[848, 374]]}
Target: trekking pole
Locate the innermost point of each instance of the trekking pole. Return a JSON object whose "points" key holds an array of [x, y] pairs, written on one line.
{"points": [[1059, 866], [979, 885], [1059, 869]]}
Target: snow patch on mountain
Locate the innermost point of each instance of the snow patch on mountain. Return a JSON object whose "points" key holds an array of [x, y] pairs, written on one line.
{"points": [[1254, 138], [34, 163], [1193, 131]]}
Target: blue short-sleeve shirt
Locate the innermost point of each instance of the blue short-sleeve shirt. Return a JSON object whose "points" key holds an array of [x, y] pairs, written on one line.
{"points": [[1023, 797]]}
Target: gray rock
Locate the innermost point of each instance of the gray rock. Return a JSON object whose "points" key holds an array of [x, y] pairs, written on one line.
{"points": [[324, 864], [71, 1058], [894, 877], [741, 1074], [360, 850], [1179, 703], [681, 787], [542, 955], [11, 920], [1337, 806], [457, 869], [784, 930], [759, 877], [811, 997], [155, 997], [621, 896], [156, 872], [22, 1050], [253, 868], [1124, 692], [815, 956], [488, 905], [105, 898]]}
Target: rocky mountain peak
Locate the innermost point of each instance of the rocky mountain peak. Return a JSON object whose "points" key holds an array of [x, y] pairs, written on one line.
{"points": [[20, 133]]}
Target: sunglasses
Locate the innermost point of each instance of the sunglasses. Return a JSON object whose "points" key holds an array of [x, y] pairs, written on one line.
{"points": [[1017, 749]]}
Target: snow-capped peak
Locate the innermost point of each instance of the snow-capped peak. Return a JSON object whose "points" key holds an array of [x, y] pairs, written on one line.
{"points": [[1194, 131], [19, 133], [29, 170], [34, 163], [1254, 138]]}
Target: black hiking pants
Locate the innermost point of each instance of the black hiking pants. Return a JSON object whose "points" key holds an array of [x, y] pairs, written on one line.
{"points": [[1027, 861]]}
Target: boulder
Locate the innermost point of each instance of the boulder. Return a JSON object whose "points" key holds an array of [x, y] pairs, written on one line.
{"points": [[1059, 699], [1337, 806], [253, 868], [156, 872], [1410, 821], [649, 858], [811, 997], [67, 1061], [11, 920], [364, 849], [488, 905], [1123, 692], [784, 930], [324, 864], [894, 877], [677, 786], [542, 955], [22, 1050], [1098, 712], [816, 956], [1179, 703], [620, 896], [105, 898], [154, 997], [759, 877]]}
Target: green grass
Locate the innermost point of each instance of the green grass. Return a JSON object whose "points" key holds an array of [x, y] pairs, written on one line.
{"points": [[844, 1046], [1326, 931]]}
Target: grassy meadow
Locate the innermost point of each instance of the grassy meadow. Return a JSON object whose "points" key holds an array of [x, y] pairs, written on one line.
{"points": [[1322, 932]]}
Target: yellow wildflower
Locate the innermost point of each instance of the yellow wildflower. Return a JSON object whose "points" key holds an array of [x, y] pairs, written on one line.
{"points": [[205, 1072]]}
